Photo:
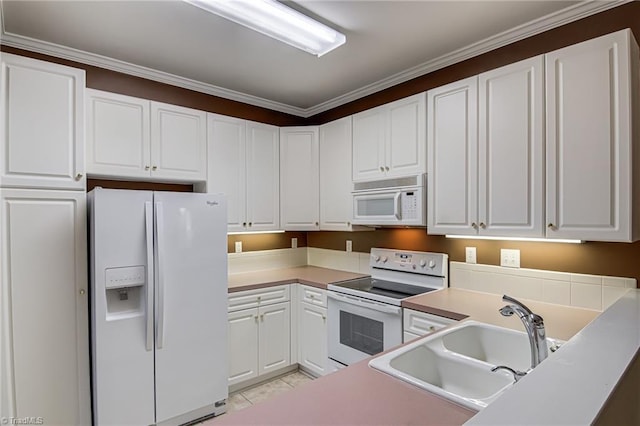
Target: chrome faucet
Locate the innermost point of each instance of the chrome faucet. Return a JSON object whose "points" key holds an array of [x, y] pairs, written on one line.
{"points": [[534, 325]]}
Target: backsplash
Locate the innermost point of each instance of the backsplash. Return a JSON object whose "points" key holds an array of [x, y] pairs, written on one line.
{"points": [[596, 292], [562, 288]]}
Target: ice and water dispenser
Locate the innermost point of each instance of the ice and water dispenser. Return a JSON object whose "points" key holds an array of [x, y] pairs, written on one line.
{"points": [[125, 288]]}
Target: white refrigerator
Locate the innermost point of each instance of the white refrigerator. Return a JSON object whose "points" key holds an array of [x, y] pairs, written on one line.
{"points": [[158, 306]]}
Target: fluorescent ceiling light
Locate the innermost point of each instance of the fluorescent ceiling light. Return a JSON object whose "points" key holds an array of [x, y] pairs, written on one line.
{"points": [[278, 21], [536, 240]]}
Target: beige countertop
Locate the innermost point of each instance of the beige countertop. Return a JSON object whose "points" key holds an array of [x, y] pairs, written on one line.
{"points": [[357, 395], [360, 395], [309, 275], [561, 322]]}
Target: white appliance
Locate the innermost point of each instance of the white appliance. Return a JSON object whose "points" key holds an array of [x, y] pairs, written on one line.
{"points": [[158, 306], [365, 315], [391, 202]]}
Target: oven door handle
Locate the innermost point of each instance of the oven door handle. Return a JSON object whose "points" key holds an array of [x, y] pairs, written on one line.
{"points": [[380, 307]]}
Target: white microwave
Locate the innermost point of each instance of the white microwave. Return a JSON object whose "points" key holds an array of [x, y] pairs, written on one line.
{"points": [[390, 202]]}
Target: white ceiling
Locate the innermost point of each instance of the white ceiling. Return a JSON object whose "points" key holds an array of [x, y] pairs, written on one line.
{"points": [[387, 42]]}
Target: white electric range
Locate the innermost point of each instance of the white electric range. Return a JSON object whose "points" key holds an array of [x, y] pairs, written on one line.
{"points": [[365, 317]]}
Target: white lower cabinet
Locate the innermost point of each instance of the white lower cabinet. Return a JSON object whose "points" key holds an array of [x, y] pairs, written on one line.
{"points": [[312, 330], [44, 337], [416, 324], [259, 333]]}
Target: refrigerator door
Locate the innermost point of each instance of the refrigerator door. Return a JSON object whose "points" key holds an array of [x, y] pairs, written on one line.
{"points": [[121, 227], [191, 305]]}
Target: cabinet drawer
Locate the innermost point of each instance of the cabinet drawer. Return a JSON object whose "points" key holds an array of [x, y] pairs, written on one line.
{"points": [[254, 298], [313, 296], [421, 323]]}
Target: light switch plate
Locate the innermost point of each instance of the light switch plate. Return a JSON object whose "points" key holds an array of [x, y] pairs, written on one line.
{"points": [[294, 243], [510, 258], [238, 246], [349, 246], [470, 254]]}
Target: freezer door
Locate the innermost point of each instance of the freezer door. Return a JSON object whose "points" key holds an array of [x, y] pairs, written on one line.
{"points": [[121, 238], [191, 304]]}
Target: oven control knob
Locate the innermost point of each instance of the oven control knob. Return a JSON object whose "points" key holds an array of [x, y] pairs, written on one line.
{"points": [[423, 263], [432, 264], [384, 259], [376, 258]]}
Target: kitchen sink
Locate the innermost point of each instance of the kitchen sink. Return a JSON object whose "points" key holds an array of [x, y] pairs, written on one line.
{"points": [[456, 363]]}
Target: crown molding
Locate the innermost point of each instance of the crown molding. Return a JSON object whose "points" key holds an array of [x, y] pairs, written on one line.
{"points": [[554, 20]]}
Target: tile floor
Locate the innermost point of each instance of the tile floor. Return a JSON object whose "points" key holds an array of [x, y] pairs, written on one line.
{"points": [[248, 397]]}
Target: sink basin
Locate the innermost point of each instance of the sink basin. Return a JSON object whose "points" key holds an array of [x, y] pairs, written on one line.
{"points": [[492, 344], [456, 362]]}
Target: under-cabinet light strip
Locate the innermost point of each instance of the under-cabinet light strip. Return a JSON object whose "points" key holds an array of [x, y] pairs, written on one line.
{"points": [[536, 240], [255, 232]]}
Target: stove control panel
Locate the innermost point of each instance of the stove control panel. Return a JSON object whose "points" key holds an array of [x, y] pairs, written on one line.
{"points": [[418, 262]]}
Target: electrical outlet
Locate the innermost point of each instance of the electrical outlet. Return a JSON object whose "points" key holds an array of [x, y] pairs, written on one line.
{"points": [[510, 258], [238, 246], [470, 254], [294, 243], [349, 246]]}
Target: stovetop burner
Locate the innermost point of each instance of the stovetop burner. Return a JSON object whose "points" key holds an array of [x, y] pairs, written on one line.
{"points": [[390, 289]]}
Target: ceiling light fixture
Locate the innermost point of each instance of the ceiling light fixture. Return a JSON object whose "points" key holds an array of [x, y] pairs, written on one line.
{"points": [[535, 240], [278, 21]]}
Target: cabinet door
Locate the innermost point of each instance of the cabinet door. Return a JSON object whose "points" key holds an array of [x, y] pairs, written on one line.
{"points": [[407, 141], [275, 337], [299, 178], [263, 177], [589, 139], [336, 205], [44, 339], [312, 338], [226, 170], [452, 158], [178, 143], [41, 125], [510, 150], [368, 144], [243, 345], [118, 135]]}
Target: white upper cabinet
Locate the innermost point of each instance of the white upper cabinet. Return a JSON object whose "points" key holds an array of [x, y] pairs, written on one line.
{"points": [[452, 141], [244, 164], [118, 134], [511, 150], [178, 143], [389, 140], [592, 105], [486, 178], [42, 125], [135, 138], [336, 204], [299, 178]]}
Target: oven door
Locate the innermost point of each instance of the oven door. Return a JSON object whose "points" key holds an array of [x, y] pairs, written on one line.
{"points": [[359, 328]]}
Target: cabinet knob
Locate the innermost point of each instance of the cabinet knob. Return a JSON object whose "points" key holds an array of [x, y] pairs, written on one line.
{"points": [[82, 291], [473, 225], [244, 223], [324, 317], [348, 223], [250, 223], [154, 168], [79, 176], [482, 225], [262, 317], [386, 168], [381, 169], [316, 223], [550, 226], [255, 317], [146, 167], [432, 328]]}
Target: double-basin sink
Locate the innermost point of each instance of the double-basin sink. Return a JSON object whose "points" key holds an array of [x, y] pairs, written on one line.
{"points": [[456, 363]]}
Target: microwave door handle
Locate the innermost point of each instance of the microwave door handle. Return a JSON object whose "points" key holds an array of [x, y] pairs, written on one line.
{"points": [[396, 205]]}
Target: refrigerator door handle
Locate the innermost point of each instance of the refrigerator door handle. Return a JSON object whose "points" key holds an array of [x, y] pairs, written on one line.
{"points": [[148, 223], [159, 275]]}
